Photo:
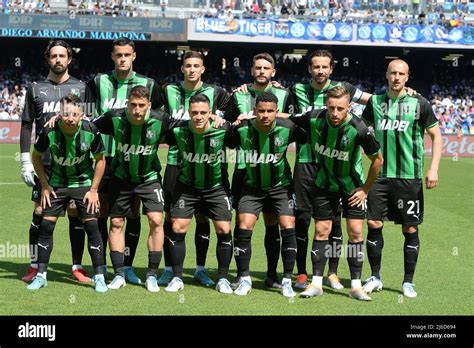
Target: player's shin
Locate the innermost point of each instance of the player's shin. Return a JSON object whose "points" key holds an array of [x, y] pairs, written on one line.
{"points": [[411, 249], [224, 254], [272, 249], [132, 236], [319, 258], [117, 258], [95, 245], [167, 244], [177, 253], [77, 239], [355, 259], [374, 246], [33, 238], [303, 221], [335, 244], [243, 252], [104, 234], [201, 241], [288, 251], [154, 259], [45, 245]]}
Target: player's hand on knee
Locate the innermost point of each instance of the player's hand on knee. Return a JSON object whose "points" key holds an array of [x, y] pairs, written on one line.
{"points": [[27, 169], [46, 196]]}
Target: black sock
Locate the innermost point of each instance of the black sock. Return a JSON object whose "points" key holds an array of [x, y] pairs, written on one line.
{"points": [[288, 251], [224, 254], [104, 234], [355, 258], [272, 249], [77, 236], [34, 233], [177, 253], [243, 252], [319, 256], [201, 241], [374, 246], [411, 249], [117, 261], [166, 245], [154, 259], [132, 236], [94, 243], [335, 244], [303, 220], [45, 244]]}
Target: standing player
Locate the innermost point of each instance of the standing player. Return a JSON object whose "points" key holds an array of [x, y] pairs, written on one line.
{"points": [[264, 142], [336, 137], [400, 122], [202, 181], [109, 92], [137, 131], [41, 103], [243, 103], [176, 103], [72, 143], [310, 96]]}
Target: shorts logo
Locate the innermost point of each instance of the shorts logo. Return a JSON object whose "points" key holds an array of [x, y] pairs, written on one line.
{"points": [[84, 147], [150, 134], [279, 141], [214, 143]]}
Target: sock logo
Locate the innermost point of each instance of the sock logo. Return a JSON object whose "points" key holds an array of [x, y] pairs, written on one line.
{"points": [[133, 234], [302, 239], [373, 243], [203, 236], [314, 252], [171, 241], [45, 247], [413, 247], [294, 249], [237, 250], [337, 238], [96, 248], [228, 243], [35, 226]]}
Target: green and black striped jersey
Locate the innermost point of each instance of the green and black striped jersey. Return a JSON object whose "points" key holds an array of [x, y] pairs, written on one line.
{"points": [[337, 149], [110, 93], [71, 160], [203, 156], [264, 154], [244, 103], [399, 126], [136, 157], [307, 99], [176, 103]]}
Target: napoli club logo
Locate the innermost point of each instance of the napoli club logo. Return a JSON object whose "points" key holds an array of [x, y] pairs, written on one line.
{"points": [[297, 30]]}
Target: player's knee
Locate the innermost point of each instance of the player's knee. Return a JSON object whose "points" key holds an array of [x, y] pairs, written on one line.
{"points": [[409, 229], [323, 228], [116, 225], [374, 224], [155, 221], [287, 222]]}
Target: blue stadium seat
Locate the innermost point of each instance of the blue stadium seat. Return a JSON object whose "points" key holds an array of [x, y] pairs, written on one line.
{"points": [[448, 6]]}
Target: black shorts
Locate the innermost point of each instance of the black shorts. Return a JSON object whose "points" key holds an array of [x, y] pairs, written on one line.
{"points": [[281, 199], [238, 182], [72, 196], [108, 173], [215, 204], [398, 200], [326, 205], [37, 188], [122, 195], [304, 177]]}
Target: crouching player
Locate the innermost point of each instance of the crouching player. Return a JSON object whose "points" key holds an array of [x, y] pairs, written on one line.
{"points": [[72, 142], [202, 182]]}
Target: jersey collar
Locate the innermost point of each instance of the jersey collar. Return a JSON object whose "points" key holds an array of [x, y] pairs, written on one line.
{"points": [[132, 75]]}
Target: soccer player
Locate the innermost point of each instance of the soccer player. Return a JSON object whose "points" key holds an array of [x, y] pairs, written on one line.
{"points": [[109, 91], [242, 103], [72, 144], [310, 96], [202, 181], [264, 142], [41, 103], [176, 103], [336, 137], [400, 121], [137, 131]]}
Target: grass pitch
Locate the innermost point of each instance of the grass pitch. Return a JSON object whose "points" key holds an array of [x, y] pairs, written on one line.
{"points": [[443, 278]]}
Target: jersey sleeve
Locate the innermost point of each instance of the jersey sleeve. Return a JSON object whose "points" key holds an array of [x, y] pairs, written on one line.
{"points": [[156, 96], [97, 146], [302, 120], [368, 113], [222, 99], [94, 95], [367, 139], [297, 134], [29, 110], [354, 92], [289, 106], [42, 140], [104, 123], [170, 137], [232, 111], [426, 114], [233, 138]]}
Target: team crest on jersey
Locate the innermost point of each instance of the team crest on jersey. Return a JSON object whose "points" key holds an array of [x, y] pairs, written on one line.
{"points": [[75, 91], [150, 134], [84, 147], [279, 141], [214, 142], [344, 140]]}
